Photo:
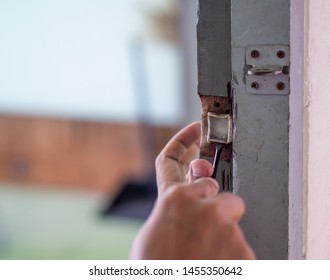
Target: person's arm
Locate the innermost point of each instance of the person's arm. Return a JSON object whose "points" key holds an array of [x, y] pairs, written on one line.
{"points": [[190, 219]]}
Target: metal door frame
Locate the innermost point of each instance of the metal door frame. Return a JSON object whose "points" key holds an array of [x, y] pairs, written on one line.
{"points": [[267, 147]]}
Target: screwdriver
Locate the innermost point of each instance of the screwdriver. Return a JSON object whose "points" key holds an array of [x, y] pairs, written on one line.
{"points": [[218, 152]]}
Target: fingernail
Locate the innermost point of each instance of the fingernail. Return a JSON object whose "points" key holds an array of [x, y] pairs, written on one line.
{"points": [[198, 172]]}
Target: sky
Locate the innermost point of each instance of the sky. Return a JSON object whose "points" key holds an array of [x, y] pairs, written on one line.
{"points": [[86, 60]]}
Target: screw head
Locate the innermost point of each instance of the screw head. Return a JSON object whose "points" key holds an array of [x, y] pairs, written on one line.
{"points": [[280, 54], [254, 85], [255, 54], [280, 86]]}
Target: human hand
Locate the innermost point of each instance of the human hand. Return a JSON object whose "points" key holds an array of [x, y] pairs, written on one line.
{"points": [[190, 220]]}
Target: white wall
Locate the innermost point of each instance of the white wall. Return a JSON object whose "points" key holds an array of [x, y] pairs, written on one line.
{"points": [[317, 129]]}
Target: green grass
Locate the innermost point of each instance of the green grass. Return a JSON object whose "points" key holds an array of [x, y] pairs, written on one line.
{"points": [[47, 224]]}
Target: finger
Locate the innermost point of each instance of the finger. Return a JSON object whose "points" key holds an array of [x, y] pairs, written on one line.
{"points": [[199, 168], [231, 205], [176, 156], [187, 138], [204, 187]]}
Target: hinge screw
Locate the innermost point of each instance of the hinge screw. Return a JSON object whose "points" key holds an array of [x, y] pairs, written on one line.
{"points": [[255, 85], [280, 86], [255, 54], [280, 54]]}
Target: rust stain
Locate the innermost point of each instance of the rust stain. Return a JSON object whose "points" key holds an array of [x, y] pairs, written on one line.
{"points": [[217, 105]]}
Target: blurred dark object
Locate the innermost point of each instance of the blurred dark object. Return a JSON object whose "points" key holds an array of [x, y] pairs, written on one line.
{"points": [[136, 200]]}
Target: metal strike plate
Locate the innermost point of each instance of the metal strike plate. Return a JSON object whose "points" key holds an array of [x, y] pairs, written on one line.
{"points": [[219, 128], [276, 55], [269, 70], [268, 85]]}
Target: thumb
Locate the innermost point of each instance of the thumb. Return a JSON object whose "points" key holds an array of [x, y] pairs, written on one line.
{"points": [[199, 168]]}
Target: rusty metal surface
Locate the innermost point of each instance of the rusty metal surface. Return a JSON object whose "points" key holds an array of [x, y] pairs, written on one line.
{"points": [[217, 105]]}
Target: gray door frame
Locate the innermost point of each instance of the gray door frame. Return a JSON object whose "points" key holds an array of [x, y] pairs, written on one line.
{"points": [[262, 166]]}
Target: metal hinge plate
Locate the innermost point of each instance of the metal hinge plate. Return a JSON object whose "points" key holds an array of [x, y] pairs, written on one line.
{"points": [[268, 73]]}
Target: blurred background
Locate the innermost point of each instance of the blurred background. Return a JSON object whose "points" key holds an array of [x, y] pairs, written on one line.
{"points": [[90, 92]]}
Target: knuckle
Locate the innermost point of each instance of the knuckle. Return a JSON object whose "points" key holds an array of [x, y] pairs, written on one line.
{"points": [[179, 192], [175, 193], [232, 197], [215, 213], [174, 199]]}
